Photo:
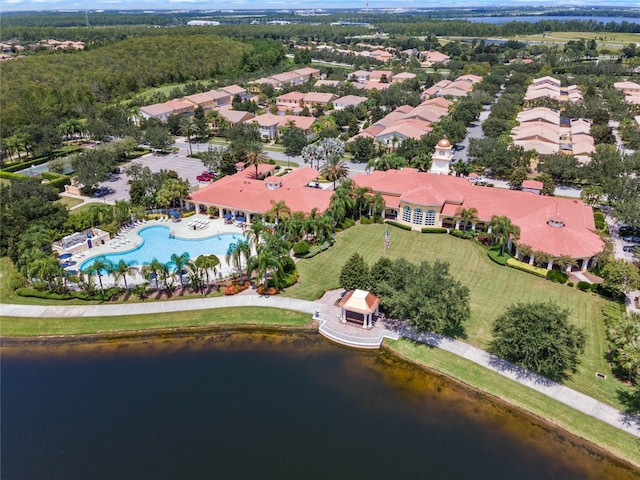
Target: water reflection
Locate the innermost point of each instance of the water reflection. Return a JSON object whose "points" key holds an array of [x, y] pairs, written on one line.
{"points": [[268, 405]]}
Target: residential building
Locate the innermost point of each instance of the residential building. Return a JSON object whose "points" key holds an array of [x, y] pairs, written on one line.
{"points": [[160, 111], [234, 90], [292, 101], [401, 77], [360, 76], [314, 99], [348, 101], [269, 125], [383, 76]]}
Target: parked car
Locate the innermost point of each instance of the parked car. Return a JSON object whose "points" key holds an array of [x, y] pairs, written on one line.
{"points": [[628, 248], [102, 191], [204, 177]]}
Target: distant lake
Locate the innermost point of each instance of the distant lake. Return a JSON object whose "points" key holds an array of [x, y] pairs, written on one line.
{"points": [[266, 405], [539, 18]]}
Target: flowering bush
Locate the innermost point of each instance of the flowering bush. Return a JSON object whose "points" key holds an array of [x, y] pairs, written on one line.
{"points": [[262, 290], [235, 288]]}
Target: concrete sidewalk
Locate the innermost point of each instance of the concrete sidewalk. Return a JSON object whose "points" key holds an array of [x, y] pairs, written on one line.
{"points": [[583, 403]]}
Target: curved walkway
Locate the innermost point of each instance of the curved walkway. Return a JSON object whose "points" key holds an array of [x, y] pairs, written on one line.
{"points": [[583, 403]]}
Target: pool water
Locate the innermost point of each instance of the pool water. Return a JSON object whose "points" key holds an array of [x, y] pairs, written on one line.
{"points": [[157, 243]]}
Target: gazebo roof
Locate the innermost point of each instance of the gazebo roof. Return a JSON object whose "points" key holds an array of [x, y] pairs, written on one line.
{"points": [[359, 301]]}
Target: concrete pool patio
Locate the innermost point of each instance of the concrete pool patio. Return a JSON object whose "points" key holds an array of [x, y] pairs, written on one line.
{"points": [[129, 240]]}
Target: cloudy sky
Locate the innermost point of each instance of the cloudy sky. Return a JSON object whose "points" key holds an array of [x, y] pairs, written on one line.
{"points": [[13, 5]]}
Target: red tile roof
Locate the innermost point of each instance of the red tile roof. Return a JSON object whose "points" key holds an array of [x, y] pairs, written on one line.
{"points": [[528, 211], [243, 192]]}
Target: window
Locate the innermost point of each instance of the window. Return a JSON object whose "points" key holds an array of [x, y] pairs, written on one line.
{"points": [[417, 216], [406, 214], [430, 218]]}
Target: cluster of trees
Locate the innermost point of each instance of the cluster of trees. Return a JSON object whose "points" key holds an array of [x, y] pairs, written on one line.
{"points": [[155, 189], [425, 295]]}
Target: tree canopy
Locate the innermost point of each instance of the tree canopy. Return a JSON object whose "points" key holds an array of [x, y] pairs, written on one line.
{"points": [[538, 337]]}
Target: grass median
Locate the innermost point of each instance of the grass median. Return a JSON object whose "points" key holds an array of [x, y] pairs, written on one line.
{"points": [[21, 327]]}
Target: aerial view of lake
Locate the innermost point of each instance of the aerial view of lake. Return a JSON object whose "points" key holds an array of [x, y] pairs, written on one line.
{"points": [[263, 405], [539, 18]]}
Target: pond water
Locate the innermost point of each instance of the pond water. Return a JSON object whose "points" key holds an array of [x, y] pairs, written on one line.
{"points": [[266, 405]]}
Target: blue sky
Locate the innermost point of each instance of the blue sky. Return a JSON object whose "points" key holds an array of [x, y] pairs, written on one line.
{"points": [[13, 5]]}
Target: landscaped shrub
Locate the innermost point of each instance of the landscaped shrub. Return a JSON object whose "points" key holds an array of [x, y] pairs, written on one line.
{"points": [[262, 290], [301, 248], [485, 238], [316, 249], [600, 224], [569, 284], [496, 257], [556, 276], [49, 295], [399, 225], [598, 216], [16, 280], [346, 223], [10, 176], [236, 288], [462, 234], [188, 213], [433, 230], [525, 267], [584, 286], [366, 220]]}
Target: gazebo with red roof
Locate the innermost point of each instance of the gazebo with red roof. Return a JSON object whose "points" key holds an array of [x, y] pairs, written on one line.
{"points": [[359, 306]]}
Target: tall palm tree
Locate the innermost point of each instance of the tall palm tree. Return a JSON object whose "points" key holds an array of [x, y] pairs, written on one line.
{"points": [[100, 266], [121, 270], [236, 253], [207, 263], [279, 209], [466, 215], [179, 262], [152, 270], [47, 268], [264, 262], [335, 169], [504, 230], [186, 128], [255, 156]]}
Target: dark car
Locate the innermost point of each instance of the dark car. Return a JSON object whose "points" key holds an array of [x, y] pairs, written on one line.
{"points": [[629, 248]]}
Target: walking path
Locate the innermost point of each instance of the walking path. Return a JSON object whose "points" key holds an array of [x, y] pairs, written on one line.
{"points": [[583, 403]]}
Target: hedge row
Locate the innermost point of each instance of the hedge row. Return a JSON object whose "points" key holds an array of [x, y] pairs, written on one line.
{"points": [[399, 225], [10, 175], [316, 249], [109, 294], [525, 267], [433, 230]]}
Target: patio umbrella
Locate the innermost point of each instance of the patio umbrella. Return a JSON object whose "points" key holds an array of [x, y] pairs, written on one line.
{"points": [[72, 272], [240, 219], [228, 216], [64, 256]]}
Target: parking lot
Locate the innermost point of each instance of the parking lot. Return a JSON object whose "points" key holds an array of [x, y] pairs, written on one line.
{"points": [[187, 169], [619, 243]]}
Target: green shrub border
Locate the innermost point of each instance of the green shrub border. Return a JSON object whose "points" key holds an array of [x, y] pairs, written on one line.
{"points": [[495, 256], [399, 225], [525, 267], [433, 230]]}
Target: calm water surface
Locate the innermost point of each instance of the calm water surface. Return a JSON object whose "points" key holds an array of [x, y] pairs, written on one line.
{"points": [[261, 406]]}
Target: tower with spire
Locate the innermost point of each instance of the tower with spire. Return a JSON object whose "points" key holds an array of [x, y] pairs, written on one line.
{"points": [[441, 158]]}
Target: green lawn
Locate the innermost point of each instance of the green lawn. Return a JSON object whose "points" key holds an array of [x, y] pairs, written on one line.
{"points": [[14, 326], [69, 202], [493, 288], [599, 433]]}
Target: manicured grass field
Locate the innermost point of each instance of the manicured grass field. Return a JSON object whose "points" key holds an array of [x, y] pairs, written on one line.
{"points": [[599, 433], [493, 288], [13, 326]]}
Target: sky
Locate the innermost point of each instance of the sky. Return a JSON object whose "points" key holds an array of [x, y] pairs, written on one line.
{"points": [[25, 5]]}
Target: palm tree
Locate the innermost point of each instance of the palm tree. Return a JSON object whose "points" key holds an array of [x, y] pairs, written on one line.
{"points": [[335, 169], [179, 262], [255, 156], [255, 231], [525, 250], [324, 228], [279, 209], [263, 263], [362, 198], [99, 267], [236, 252], [186, 128], [121, 270], [462, 169], [153, 269], [206, 263], [47, 268], [466, 215], [506, 231]]}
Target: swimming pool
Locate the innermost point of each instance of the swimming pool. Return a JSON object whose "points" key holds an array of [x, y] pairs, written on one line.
{"points": [[158, 243]]}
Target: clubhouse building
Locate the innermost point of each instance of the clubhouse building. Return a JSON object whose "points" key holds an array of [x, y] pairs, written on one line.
{"points": [[555, 226]]}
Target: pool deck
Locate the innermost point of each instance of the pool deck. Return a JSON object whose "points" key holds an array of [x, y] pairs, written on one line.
{"points": [[129, 239]]}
